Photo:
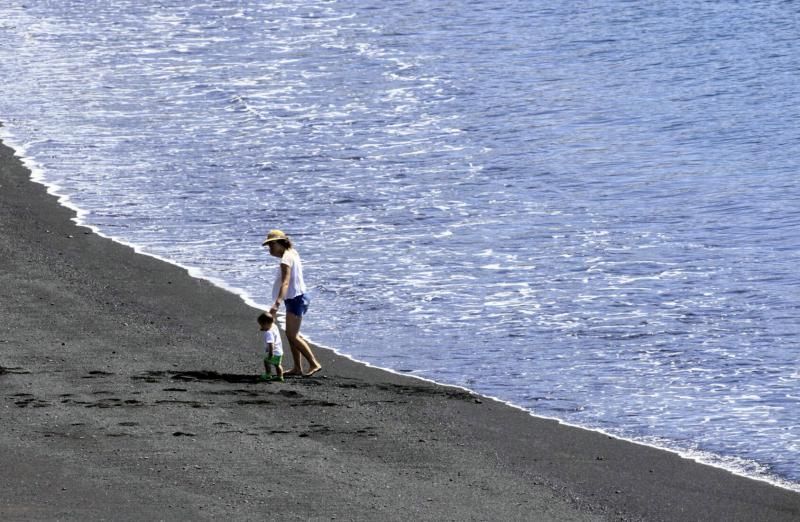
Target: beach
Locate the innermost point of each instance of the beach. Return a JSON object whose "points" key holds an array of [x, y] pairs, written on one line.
{"points": [[130, 392]]}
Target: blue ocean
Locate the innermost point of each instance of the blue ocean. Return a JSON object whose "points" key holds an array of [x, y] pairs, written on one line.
{"points": [[590, 210]]}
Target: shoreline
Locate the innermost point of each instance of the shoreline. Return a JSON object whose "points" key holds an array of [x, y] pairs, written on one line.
{"points": [[158, 379], [712, 459]]}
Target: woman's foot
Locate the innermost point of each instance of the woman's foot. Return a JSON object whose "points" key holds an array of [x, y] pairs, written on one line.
{"points": [[313, 370], [293, 373]]}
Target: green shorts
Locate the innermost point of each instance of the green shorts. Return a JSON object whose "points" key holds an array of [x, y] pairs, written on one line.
{"points": [[274, 360]]}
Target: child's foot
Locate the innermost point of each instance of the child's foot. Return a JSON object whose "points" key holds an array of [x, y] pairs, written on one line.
{"points": [[265, 377], [278, 378]]}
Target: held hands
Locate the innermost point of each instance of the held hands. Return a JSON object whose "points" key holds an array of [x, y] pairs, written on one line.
{"points": [[274, 310]]}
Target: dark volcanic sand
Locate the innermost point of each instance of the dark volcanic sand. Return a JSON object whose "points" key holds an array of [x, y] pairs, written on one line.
{"points": [[128, 392]]}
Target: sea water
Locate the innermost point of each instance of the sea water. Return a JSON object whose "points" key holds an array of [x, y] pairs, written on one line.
{"points": [[590, 210]]}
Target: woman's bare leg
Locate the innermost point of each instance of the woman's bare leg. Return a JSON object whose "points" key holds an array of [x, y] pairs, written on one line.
{"points": [[299, 346], [297, 366]]}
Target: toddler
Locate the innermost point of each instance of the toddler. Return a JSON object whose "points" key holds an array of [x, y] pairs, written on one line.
{"points": [[273, 348]]}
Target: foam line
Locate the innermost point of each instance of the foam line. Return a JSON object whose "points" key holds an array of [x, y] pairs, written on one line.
{"points": [[706, 458]]}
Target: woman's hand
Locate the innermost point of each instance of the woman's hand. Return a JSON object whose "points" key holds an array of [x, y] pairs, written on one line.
{"points": [[274, 310]]}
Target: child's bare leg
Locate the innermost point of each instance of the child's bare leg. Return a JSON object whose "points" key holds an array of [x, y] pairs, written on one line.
{"points": [[279, 371]]}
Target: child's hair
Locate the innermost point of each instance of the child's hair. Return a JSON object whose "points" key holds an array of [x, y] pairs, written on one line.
{"points": [[265, 319]]}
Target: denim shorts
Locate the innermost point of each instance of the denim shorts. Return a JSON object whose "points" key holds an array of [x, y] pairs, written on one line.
{"points": [[297, 305]]}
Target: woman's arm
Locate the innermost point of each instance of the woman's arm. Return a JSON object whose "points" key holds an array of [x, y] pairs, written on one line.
{"points": [[286, 272]]}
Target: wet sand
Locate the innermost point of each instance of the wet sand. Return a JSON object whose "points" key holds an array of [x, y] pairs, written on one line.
{"points": [[128, 392]]}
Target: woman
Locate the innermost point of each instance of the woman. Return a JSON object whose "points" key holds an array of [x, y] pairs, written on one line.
{"points": [[290, 289]]}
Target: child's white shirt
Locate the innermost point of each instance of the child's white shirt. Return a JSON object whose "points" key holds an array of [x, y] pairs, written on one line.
{"points": [[273, 336]]}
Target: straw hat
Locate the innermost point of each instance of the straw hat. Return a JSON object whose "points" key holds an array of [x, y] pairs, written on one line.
{"points": [[275, 235]]}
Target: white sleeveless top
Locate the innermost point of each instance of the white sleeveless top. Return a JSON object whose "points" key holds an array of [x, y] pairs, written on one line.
{"points": [[297, 285]]}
